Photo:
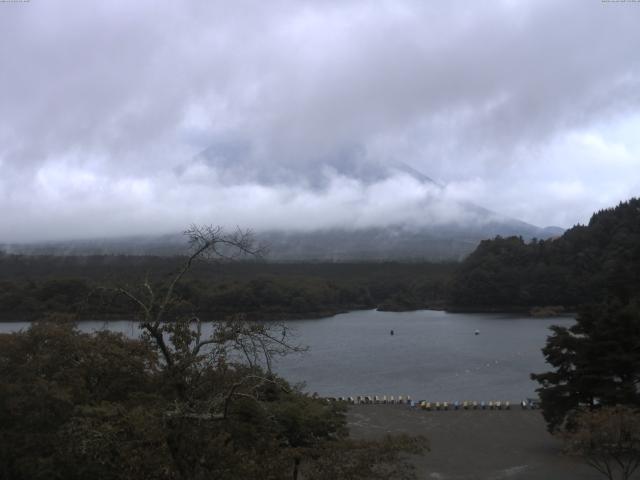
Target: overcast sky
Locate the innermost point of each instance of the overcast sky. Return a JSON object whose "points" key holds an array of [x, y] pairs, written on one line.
{"points": [[129, 117]]}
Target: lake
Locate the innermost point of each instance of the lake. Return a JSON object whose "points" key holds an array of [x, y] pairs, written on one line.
{"points": [[432, 355]]}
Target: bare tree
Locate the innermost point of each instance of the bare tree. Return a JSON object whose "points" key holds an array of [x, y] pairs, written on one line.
{"points": [[184, 349], [608, 439]]}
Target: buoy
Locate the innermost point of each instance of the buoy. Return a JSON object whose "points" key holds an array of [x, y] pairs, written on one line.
{"points": [[477, 332]]}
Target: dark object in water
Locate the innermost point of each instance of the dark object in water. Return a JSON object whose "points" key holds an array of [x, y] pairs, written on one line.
{"points": [[391, 332], [477, 332]]}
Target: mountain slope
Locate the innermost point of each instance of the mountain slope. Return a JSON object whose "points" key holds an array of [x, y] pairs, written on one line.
{"points": [[586, 264], [438, 228]]}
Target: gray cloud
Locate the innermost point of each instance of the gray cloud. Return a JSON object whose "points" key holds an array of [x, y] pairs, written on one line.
{"points": [[303, 108]]}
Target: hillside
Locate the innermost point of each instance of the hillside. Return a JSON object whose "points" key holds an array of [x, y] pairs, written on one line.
{"points": [[585, 264]]}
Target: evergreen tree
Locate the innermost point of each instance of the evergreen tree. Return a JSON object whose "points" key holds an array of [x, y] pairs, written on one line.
{"points": [[596, 362]]}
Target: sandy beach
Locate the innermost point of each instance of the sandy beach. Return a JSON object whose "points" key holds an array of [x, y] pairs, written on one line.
{"points": [[472, 444]]}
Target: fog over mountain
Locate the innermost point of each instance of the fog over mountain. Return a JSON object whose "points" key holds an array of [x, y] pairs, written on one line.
{"points": [[432, 226], [436, 122]]}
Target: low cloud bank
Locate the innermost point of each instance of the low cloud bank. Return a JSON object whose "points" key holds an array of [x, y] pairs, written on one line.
{"points": [[528, 108]]}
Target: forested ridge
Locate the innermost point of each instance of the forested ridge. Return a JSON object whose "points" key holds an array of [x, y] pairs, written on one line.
{"points": [[34, 286], [587, 264]]}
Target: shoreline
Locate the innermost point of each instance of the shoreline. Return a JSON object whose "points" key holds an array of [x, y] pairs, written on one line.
{"points": [[288, 316]]}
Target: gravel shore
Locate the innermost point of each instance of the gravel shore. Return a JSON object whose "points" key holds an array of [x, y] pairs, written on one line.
{"points": [[475, 444]]}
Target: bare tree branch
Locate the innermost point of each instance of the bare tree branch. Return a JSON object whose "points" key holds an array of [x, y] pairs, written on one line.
{"points": [[181, 343]]}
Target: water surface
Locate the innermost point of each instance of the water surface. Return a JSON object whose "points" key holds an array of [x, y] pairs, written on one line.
{"points": [[432, 355]]}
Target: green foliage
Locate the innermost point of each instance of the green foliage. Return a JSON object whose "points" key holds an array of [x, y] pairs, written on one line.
{"points": [[596, 362], [586, 264], [50, 372], [101, 406], [37, 286]]}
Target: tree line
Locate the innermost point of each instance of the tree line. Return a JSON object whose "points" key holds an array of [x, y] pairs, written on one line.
{"points": [[32, 287], [587, 263]]}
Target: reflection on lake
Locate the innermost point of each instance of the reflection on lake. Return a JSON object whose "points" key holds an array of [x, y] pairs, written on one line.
{"points": [[432, 355]]}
